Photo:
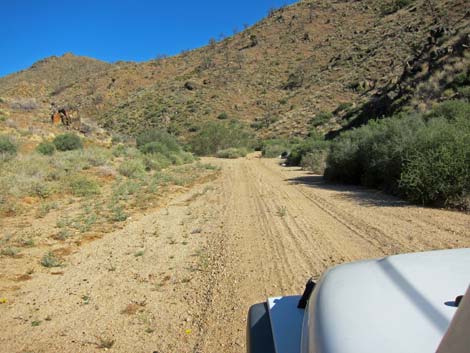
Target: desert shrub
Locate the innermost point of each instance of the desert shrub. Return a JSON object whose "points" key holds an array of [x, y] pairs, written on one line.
{"points": [[8, 148], [464, 92], [450, 110], [156, 161], [424, 158], [97, 156], [181, 157], [46, 148], [163, 138], [315, 143], [343, 106], [295, 80], [220, 135], [50, 260], [83, 186], [155, 147], [390, 6], [315, 161], [68, 162], [232, 153], [373, 154], [24, 104], [122, 150], [275, 147], [67, 142], [437, 169], [222, 116], [132, 168], [320, 119], [22, 176]]}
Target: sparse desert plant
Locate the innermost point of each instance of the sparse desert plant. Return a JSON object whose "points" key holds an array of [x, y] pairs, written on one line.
{"points": [[63, 234], [132, 168], [390, 6], [97, 156], [320, 119], [44, 208], [281, 211], [222, 116], [68, 142], [117, 214], [10, 251], [8, 148], [83, 186], [232, 153], [105, 343], [40, 189], [46, 148], [50, 260], [24, 104]]}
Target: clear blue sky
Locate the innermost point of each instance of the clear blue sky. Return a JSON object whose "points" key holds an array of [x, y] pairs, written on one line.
{"points": [[113, 30]]}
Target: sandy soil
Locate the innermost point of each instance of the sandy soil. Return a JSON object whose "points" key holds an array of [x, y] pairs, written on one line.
{"points": [[181, 279]]}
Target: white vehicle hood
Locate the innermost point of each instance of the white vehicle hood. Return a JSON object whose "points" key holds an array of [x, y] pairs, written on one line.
{"points": [[401, 303]]}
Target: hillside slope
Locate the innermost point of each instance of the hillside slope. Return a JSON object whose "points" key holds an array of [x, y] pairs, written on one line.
{"points": [[277, 75], [50, 76]]}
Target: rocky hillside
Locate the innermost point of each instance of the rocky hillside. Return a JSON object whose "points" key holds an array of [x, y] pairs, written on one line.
{"points": [[50, 76], [277, 76]]}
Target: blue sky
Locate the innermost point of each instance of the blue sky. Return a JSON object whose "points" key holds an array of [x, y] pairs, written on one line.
{"points": [[110, 30]]}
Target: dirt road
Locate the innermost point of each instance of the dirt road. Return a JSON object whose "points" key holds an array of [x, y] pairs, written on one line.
{"points": [[182, 278]]}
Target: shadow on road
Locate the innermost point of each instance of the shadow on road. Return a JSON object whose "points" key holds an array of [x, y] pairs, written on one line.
{"points": [[360, 194]]}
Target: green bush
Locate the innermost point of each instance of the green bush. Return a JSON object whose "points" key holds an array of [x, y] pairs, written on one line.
{"points": [[156, 161], [274, 148], [232, 153], [451, 110], [437, 170], [464, 92], [68, 142], [424, 158], [155, 147], [321, 119], [373, 154], [132, 168], [222, 116], [8, 149], [315, 143], [83, 186], [50, 260], [46, 148], [159, 137], [315, 161], [220, 135]]}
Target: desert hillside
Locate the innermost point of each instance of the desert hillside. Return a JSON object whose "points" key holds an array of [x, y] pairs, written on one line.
{"points": [[311, 57]]}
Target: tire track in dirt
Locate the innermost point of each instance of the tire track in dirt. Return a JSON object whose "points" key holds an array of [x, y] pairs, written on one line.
{"points": [[193, 269], [287, 231]]}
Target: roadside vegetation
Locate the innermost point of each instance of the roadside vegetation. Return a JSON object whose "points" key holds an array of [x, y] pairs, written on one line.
{"points": [[223, 139], [77, 188], [423, 157]]}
